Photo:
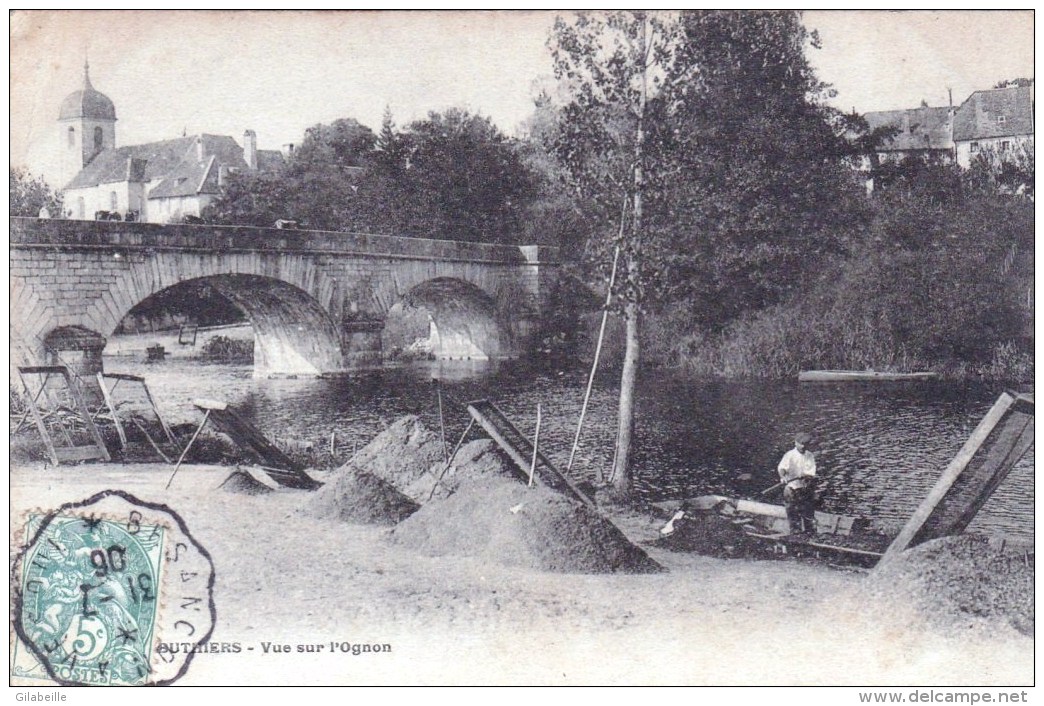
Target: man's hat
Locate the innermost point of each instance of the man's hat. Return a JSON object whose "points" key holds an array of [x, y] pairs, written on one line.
{"points": [[802, 438]]}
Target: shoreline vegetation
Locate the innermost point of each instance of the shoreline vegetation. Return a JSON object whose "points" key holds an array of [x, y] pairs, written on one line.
{"points": [[759, 348]]}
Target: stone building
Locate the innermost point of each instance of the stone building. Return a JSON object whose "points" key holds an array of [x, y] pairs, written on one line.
{"points": [[997, 122], [924, 131], [155, 182]]}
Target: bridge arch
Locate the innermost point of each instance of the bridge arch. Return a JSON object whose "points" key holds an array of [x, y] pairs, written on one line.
{"points": [[293, 333], [448, 318]]}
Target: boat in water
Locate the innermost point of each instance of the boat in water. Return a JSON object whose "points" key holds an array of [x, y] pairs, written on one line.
{"points": [[860, 375]]}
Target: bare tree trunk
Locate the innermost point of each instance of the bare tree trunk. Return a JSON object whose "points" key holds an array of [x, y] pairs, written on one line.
{"points": [[622, 480]]}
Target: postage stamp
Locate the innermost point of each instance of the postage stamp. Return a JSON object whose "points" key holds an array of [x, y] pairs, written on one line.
{"points": [[97, 587]]}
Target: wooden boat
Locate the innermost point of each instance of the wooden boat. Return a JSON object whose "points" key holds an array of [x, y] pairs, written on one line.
{"points": [[732, 527], [860, 375]]}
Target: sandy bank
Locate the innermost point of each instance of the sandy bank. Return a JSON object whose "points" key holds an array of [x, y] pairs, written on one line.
{"points": [[286, 577]]}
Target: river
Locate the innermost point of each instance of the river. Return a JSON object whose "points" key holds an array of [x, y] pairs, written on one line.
{"points": [[880, 446]]}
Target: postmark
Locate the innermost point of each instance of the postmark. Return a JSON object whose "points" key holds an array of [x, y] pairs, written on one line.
{"points": [[100, 585]]}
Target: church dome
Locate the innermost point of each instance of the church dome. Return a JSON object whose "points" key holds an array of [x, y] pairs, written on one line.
{"points": [[87, 103]]}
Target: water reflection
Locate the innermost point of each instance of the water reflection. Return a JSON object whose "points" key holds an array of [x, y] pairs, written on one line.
{"points": [[880, 446]]}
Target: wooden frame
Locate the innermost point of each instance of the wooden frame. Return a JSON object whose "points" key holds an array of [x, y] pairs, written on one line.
{"points": [[72, 452]]}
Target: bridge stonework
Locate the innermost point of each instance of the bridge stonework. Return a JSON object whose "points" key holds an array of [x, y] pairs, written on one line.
{"points": [[317, 300]]}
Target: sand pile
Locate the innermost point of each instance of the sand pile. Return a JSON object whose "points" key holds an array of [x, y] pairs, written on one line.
{"points": [[410, 458], [243, 483], [354, 495], [476, 459], [954, 579], [402, 455], [504, 521]]}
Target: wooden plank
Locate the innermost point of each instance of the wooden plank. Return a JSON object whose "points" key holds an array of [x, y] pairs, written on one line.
{"points": [[123, 376], [860, 375], [277, 464], [956, 511], [79, 453], [509, 449], [42, 369], [35, 411], [81, 406], [112, 410], [290, 479], [518, 447], [949, 476], [155, 410], [209, 404]]}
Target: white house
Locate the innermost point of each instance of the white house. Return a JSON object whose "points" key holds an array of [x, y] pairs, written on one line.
{"points": [[998, 121], [156, 182]]}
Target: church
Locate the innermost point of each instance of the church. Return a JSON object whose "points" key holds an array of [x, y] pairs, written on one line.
{"points": [[155, 182]]}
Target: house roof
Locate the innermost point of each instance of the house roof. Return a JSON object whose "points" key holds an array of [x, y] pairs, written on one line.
{"points": [[192, 176], [919, 128], [87, 103], [999, 112], [269, 160], [173, 164]]}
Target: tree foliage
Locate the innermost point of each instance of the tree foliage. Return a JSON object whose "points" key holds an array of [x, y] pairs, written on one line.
{"points": [[29, 195], [764, 191], [451, 176]]}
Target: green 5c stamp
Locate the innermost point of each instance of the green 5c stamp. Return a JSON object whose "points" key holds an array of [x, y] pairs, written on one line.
{"points": [[100, 584]]}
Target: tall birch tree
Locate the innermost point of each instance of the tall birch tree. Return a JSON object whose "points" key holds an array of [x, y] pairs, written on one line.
{"points": [[614, 141]]}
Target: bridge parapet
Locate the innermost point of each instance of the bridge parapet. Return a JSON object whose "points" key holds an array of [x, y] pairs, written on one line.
{"points": [[110, 234]]}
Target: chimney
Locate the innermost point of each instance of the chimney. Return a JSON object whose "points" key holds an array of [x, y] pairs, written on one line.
{"points": [[200, 152], [288, 150], [250, 148]]}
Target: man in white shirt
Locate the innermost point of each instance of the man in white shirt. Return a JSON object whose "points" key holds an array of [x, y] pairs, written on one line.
{"points": [[797, 472]]}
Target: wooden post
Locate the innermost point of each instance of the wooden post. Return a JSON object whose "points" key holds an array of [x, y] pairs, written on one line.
{"points": [[536, 446], [598, 346], [206, 416], [442, 423], [112, 410], [449, 461]]}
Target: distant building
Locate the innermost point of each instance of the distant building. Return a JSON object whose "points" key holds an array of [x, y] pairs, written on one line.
{"points": [[998, 121], [156, 182], [920, 131]]}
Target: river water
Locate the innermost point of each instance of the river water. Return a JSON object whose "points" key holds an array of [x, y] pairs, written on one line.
{"points": [[879, 446]]}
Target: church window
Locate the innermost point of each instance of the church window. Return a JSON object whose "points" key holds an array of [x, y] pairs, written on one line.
{"points": [[99, 139], [81, 207], [113, 203], [72, 137]]}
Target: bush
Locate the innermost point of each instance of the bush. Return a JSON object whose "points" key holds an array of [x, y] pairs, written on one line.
{"points": [[228, 350]]}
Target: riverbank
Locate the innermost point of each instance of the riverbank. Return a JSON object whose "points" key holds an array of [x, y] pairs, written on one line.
{"points": [[286, 577]]}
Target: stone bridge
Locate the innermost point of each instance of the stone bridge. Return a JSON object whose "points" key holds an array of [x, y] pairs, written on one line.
{"points": [[317, 300]]}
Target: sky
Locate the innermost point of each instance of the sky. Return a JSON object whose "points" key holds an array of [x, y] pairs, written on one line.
{"points": [[175, 72]]}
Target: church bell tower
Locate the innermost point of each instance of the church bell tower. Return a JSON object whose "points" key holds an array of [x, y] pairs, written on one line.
{"points": [[87, 126]]}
